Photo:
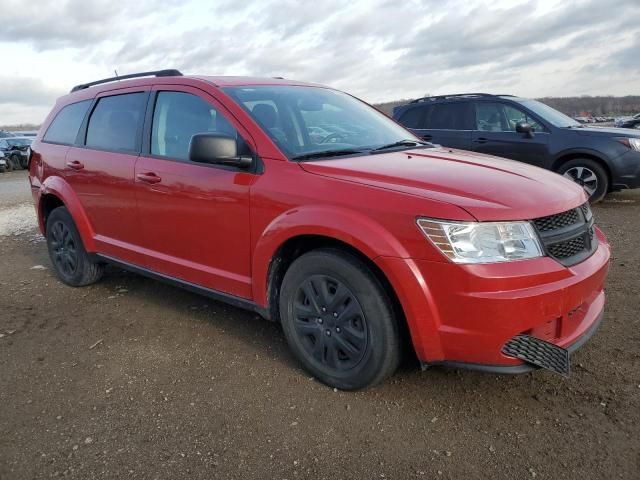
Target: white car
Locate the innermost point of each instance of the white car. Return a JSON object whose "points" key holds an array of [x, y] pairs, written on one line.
{"points": [[3, 163]]}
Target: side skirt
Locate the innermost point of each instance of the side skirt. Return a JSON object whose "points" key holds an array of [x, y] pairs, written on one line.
{"points": [[192, 287]]}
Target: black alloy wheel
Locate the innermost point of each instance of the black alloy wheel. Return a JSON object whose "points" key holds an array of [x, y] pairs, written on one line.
{"points": [[330, 323], [339, 319], [71, 262], [64, 250]]}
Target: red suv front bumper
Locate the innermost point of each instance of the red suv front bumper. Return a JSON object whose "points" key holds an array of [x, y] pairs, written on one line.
{"points": [[464, 314]]}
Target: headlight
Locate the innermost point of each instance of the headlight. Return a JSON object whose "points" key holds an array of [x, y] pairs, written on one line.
{"points": [[483, 242], [632, 143]]}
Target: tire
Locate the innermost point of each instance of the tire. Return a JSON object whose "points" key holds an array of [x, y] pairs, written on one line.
{"points": [[70, 260], [355, 342], [10, 165], [589, 174]]}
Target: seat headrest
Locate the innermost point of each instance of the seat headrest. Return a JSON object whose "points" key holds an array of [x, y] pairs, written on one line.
{"points": [[265, 114]]}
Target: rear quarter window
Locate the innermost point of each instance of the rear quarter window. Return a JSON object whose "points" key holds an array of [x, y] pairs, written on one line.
{"points": [[64, 127], [412, 118]]}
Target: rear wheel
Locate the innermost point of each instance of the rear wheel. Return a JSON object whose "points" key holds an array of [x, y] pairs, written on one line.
{"points": [[589, 174], [338, 320], [70, 260]]}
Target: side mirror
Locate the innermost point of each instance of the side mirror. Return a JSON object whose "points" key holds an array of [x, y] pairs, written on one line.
{"points": [[525, 129], [217, 148]]}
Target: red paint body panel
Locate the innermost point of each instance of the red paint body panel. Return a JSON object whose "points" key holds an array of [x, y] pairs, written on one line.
{"points": [[489, 188], [220, 228]]}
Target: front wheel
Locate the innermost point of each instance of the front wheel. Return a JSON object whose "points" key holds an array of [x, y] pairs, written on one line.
{"points": [[589, 174], [338, 320]]}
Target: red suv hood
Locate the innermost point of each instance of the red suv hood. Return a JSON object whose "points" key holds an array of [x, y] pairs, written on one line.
{"points": [[489, 188]]}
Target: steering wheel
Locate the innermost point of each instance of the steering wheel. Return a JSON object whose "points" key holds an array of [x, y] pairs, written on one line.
{"points": [[332, 138]]}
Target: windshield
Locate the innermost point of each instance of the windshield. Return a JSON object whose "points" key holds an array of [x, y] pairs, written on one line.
{"points": [[551, 115], [306, 121]]}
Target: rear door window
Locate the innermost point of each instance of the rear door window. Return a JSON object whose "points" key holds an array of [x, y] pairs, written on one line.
{"points": [[449, 116], [116, 121], [64, 128]]}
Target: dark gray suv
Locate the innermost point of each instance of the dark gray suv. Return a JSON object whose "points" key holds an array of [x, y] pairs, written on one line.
{"points": [[600, 159]]}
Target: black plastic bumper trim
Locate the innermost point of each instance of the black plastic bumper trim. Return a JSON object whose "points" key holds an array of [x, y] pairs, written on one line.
{"points": [[523, 367]]}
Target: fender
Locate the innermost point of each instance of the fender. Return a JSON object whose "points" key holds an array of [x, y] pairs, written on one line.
{"points": [[60, 188], [348, 226], [375, 242], [578, 151]]}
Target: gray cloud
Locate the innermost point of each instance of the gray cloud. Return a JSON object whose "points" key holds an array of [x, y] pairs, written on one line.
{"points": [[27, 92], [70, 23]]}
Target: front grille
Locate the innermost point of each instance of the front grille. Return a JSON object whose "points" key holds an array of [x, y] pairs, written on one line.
{"points": [[555, 222], [567, 249], [568, 237], [538, 352]]}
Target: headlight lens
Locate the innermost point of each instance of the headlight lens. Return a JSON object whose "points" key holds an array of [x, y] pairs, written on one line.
{"points": [[483, 242], [630, 142]]}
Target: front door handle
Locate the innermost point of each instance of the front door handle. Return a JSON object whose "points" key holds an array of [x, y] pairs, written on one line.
{"points": [[75, 165], [481, 140], [148, 177]]}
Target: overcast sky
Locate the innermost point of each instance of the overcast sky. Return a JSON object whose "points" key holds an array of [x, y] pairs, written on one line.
{"points": [[379, 50]]}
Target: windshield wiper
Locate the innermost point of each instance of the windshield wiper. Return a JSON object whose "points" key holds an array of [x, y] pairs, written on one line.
{"points": [[326, 153], [401, 143]]}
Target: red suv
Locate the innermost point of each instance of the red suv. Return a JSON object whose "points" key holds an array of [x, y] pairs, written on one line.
{"points": [[312, 208]]}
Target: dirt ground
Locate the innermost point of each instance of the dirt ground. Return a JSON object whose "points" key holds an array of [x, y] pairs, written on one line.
{"points": [[131, 378]]}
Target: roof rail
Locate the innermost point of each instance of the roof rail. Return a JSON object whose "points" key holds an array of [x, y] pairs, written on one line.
{"points": [[155, 73], [457, 95]]}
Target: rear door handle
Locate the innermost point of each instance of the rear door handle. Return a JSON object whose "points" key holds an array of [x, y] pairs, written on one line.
{"points": [[75, 165], [148, 177], [481, 140]]}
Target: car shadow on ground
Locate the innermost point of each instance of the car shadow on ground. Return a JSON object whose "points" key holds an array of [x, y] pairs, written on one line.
{"points": [[266, 338]]}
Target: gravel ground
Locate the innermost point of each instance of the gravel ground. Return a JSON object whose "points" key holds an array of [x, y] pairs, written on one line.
{"points": [[133, 378]]}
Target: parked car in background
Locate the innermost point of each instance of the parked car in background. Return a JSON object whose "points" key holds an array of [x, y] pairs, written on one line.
{"points": [[631, 123], [5, 134], [3, 163], [354, 242], [620, 120], [25, 133], [16, 150], [597, 158]]}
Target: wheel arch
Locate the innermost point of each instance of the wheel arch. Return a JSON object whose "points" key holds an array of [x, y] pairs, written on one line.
{"points": [[55, 192], [337, 224], [302, 229], [573, 154], [298, 245]]}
